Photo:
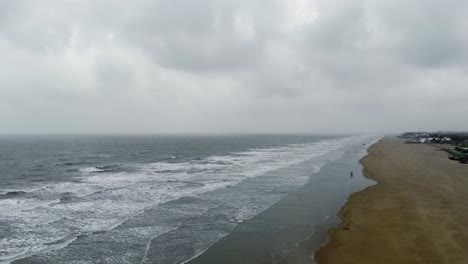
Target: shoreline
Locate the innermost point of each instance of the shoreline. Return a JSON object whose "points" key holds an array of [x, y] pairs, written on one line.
{"points": [[342, 213], [304, 252], [413, 214], [286, 232]]}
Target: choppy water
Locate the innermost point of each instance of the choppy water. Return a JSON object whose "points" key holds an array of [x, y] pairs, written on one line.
{"points": [[144, 199]]}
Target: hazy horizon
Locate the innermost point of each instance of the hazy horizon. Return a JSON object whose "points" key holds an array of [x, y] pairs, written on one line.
{"points": [[201, 134], [233, 67]]}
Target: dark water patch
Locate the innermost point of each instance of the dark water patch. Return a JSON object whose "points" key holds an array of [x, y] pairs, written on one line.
{"points": [[66, 197], [216, 162], [69, 163], [187, 183], [99, 232], [168, 171], [15, 193], [57, 242]]}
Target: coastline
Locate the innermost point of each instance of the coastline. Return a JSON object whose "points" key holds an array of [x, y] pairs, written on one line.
{"points": [[342, 213], [289, 231], [304, 253], [414, 214]]}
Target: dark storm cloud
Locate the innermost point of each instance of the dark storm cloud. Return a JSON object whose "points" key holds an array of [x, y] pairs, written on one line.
{"points": [[232, 66]]}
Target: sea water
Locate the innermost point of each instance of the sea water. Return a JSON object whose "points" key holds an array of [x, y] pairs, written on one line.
{"points": [[147, 199]]}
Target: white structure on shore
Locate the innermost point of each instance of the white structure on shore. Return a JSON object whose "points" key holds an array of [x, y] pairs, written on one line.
{"points": [[434, 140]]}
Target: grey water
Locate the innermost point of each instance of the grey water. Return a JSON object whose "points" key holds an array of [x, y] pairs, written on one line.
{"points": [[152, 199]]}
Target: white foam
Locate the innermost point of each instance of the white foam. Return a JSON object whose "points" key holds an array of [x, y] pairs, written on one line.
{"points": [[22, 204], [90, 170]]}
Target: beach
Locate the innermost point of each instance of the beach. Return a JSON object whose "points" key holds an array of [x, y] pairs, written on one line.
{"points": [[417, 213]]}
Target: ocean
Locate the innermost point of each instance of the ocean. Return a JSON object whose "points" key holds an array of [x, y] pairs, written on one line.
{"points": [[172, 198]]}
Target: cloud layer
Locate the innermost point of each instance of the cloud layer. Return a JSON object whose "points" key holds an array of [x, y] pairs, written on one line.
{"points": [[197, 66]]}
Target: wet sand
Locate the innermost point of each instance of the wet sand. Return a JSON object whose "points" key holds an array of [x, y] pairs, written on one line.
{"points": [[418, 213]]}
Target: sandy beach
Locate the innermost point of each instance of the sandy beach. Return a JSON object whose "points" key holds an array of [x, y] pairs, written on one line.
{"points": [[418, 213]]}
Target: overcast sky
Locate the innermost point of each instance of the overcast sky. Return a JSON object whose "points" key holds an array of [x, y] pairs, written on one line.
{"points": [[194, 66]]}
